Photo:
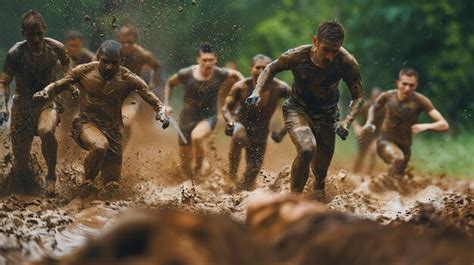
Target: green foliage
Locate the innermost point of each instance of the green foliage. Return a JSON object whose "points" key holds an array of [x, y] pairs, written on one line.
{"points": [[435, 37]]}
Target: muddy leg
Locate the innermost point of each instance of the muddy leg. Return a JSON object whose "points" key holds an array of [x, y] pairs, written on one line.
{"points": [[97, 145], [326, 139], [393, 156], [254, 154], [235, 152], [130, 108], [185, 152], [363, 147], [49, 145], [200, 132], [21, 145], [372, 157], [305, 144], [111, 171]]}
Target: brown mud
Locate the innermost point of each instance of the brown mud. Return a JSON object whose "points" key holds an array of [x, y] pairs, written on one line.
{"points": [[34, 227]]}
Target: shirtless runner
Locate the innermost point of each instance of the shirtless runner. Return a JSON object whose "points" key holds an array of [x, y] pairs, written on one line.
{"points": [[104, 86], [402, 107], [33, 65], [311, 113], [249, 125], [198, 118]]}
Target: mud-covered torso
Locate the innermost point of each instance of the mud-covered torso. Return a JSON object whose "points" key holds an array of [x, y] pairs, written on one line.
{"points": [[400, 116], [34, 72], [101, 100], [200, 97], [260, 115], [316, 88]]}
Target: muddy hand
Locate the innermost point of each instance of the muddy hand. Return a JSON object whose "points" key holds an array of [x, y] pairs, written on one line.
{"points": [[341, 129], [229, 128], [161, 116], [368, 128], [40, 96], [252, 100]]}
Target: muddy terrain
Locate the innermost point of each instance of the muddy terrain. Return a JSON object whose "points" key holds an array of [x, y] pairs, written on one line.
{"points": [[36, 226]]}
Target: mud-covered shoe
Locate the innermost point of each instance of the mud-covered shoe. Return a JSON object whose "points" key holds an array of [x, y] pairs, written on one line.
{"points": [[319, 195], [50, 187], [111, 189], [87, 189]]}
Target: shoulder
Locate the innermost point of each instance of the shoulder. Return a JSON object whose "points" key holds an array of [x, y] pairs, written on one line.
{"points": [[142, 51], [296, 52], [56, 45], [241, 84], [185, 71], [17, 48], [347, 58], [421, 99], [128, 76], [224, 71], [85, 68]]}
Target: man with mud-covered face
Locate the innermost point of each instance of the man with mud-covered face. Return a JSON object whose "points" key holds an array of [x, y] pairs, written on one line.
{"points": [[311, 113], [33, 65], [249, 125], [402, 106], [198, 118], [104, 86]]}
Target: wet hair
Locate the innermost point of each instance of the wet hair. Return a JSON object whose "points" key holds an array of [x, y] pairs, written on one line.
{"points": [[110, 47], [74, 34], [330, 30], [32, 20], [205, 47], [128, 30], [260, 57], [408, 72]]}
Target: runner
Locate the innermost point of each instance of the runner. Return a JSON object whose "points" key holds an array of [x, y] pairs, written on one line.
{"points": [[198, 118], [33, 65], [104, 86], [402, 107], [311, 113], [249, 125]]}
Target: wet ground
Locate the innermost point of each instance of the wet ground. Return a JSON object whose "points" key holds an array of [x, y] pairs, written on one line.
{"points": [[32, 227]]}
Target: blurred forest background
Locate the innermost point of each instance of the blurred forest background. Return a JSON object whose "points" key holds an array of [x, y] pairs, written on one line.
{"points": [[434, 37]]}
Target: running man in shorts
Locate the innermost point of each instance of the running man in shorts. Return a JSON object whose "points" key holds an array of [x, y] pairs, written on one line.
{"points": [[249, 125], [33, 65], [98, 128], [402, 107], [198, 118], [311, 113]]}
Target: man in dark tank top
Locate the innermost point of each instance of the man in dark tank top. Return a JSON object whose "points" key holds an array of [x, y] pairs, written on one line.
{"points": [[201, 83]]}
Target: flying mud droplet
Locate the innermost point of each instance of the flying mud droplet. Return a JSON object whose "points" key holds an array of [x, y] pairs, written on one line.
{"points": [[180, 9], [114, 19], [87, 18], [193, 2], [101, 35]]}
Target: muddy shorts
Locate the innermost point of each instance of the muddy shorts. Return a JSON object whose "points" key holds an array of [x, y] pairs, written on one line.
{"points": [[389, 151], [321, 123], [188, 121], [26, 113], [113, 135]]}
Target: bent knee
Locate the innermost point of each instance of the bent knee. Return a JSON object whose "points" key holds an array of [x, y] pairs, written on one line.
{"points": [[100, 146], [307, 152], [45, 132]]}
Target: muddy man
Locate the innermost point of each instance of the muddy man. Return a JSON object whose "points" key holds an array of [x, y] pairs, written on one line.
{"points": [[199, 115], [33, 65], [249, 125], [402, 107], [98, 128], [311, 113]]}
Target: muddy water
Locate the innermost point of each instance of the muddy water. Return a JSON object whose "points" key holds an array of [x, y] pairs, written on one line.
{"points": [[34, 227]]}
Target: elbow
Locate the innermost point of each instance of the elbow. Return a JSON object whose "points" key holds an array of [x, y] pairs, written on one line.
{"points": [[445, 126]]}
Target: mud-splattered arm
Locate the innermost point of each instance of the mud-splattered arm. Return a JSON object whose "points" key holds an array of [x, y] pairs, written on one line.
{"points": [[55, 88], [378, 104], [354, 83], [169, 85], [231, 100], [148, 96]]}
